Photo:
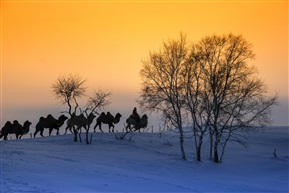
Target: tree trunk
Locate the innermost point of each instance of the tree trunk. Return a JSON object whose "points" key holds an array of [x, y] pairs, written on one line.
{"points": [[182, 143], [75, 134], [216, 154], [87, 141], [211, 144], [199, 148], [196, 140]]}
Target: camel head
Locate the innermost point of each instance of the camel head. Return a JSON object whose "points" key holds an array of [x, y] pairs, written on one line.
{"points": [[90, 118], [27, 123], [118, 115], [144, 121], [26, 126], [61, 120], [62, 117], [117, 118]]}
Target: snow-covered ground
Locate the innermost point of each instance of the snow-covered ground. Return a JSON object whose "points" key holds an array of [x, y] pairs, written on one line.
{"points": [[143, 162]]}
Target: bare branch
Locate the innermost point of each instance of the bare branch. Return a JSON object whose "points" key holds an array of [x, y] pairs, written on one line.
{"points": [[99, 100]]}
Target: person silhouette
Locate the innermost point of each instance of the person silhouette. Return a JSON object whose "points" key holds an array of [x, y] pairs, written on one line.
{"points": [[135, 115]]}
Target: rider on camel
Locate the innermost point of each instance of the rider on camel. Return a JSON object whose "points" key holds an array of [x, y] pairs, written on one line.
{"points": [[135, 115]]}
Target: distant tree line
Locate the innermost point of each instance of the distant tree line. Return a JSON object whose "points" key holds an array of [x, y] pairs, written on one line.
{"points": [[210, 85]]}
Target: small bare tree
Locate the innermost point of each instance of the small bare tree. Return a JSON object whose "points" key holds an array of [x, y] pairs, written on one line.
{"points": [[162, 84], [68, 89]]}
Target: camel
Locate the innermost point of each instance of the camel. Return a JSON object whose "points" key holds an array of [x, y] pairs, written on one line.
{"points": [[79, 121], [107, 119], [15, 128], [49, 122], [136, 125]]}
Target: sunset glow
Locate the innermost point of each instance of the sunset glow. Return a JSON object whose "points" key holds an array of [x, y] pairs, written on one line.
{"points": [[104, 42]]}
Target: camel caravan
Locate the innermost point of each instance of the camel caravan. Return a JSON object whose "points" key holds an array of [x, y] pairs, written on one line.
{"points": [[74, 124]]}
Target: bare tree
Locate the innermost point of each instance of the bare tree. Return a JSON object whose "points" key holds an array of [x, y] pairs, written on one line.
{"points": [[234, 98], [68, 89], [162, 85]]}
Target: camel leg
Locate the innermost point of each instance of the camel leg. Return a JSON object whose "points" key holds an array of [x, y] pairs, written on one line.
{"points": [[86, 134], [41, 132], [68, 127], [95, 127], [127, 127], [50, 130], [66, 130], [111, 125], [35, 133], [100, 127], [57, 132], [98, 124], [37, 130]]}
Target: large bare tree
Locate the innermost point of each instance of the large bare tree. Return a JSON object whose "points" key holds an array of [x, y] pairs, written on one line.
{"points": [[162, 84], [233, 97], [214, 82]]}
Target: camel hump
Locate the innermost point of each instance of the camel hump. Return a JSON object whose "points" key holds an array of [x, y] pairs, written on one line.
{"points": [[109, 115], [7, 124], [15, 122], [101, 116]]}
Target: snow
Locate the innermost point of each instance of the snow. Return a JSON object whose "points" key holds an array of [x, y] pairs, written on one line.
{"points": [[143, 162]]}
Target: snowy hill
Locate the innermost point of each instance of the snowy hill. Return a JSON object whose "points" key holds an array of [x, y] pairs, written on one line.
{"points": [[143, 162]]}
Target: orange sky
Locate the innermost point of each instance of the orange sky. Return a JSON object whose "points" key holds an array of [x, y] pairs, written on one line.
{"points": [[105, 42]]}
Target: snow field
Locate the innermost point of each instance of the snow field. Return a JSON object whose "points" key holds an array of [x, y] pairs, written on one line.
{"points": [[143, 162]]}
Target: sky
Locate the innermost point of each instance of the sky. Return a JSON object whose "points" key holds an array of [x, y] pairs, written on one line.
{"points": [[105, 41]]}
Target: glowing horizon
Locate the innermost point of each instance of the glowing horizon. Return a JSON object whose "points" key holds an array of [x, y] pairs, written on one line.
{"points": [[104, 42]]}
